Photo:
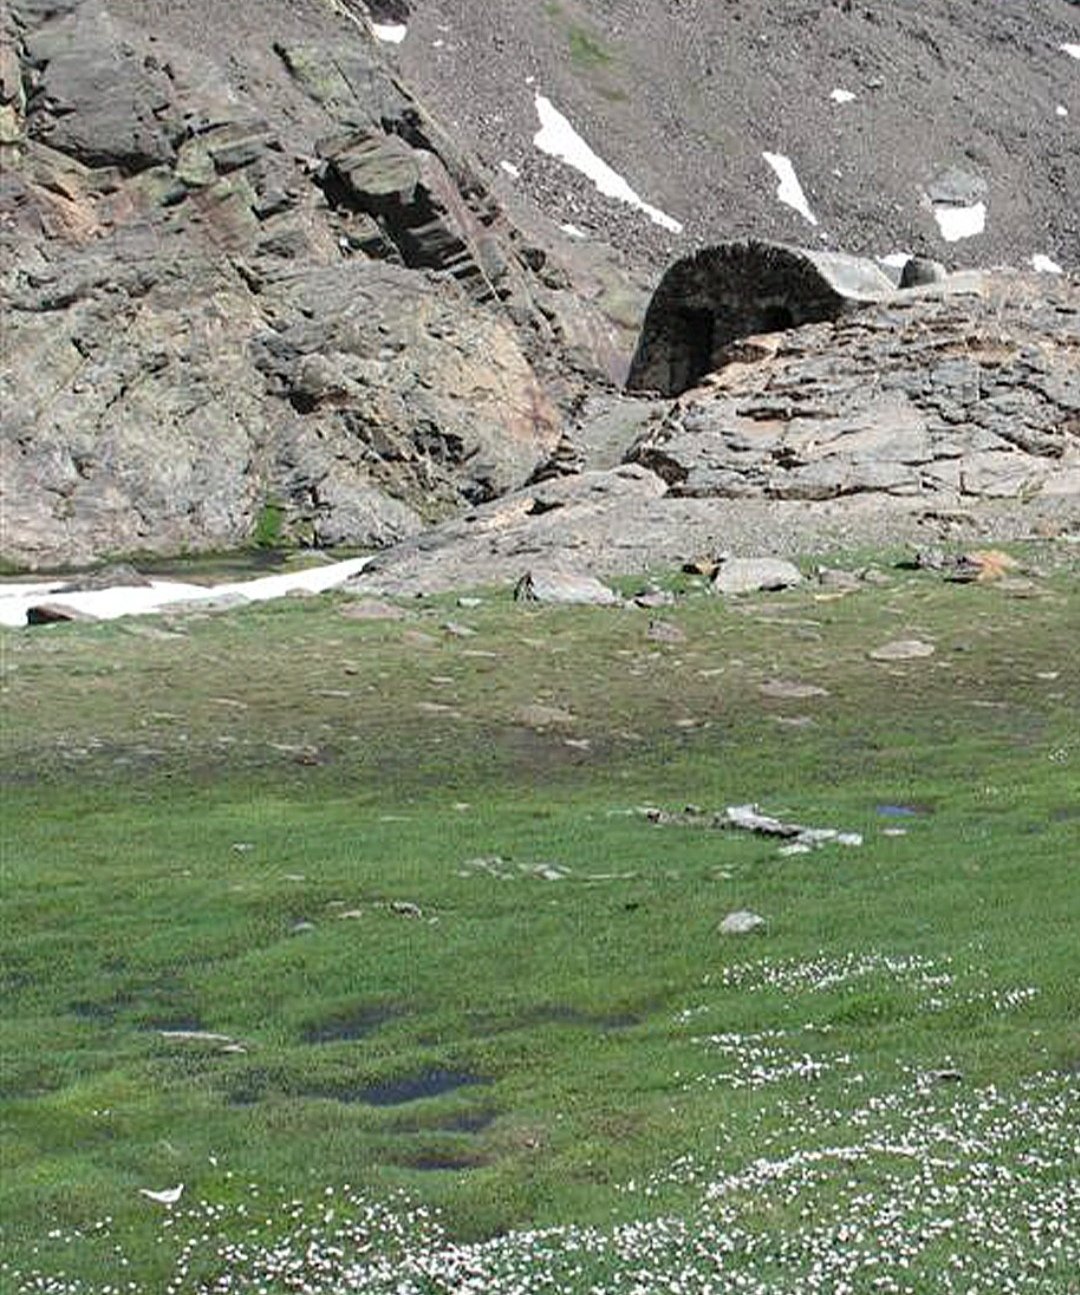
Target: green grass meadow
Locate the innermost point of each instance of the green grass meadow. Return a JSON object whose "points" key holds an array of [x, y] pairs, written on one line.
{"points": [[363, 932]]}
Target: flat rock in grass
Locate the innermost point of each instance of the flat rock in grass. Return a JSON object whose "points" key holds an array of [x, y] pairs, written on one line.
{"points": [[560, 586], [537, 715], [221, 1042], [1019, 587], [742, 922], [750, 819], [902, 650], [980, 566], [800, 839], [417, 638], [373, 609], [787, 690], [752, 575], [211, 603], [665, 632], [650, 598], [838, 580]]}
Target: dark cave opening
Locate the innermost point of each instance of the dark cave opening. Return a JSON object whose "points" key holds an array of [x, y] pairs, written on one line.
{"points": [[696, 331], [776, 318]]}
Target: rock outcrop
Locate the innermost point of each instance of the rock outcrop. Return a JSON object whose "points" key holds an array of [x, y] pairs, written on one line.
{"points": [[947, 393], [255, 287], [949, 410]]}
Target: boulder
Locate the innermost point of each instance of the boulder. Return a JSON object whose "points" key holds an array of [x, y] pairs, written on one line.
{"points": [[750, 575], [554, 586], [52, 613]]}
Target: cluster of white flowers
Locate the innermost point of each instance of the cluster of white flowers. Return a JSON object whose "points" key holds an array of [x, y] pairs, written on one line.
{"points": [[961, 1192], [936, 984], [860, 1180], [762, 1058], [829, 972]]}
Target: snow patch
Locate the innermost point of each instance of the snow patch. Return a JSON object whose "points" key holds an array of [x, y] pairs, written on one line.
{"points": [[1061, 110], [789, 190], [1073, 51], [897, 260], [1045, 264], [842, 96], [511, 170], [559, 139], [573, 231], [130, 600], [390, 33], [960, 222]]}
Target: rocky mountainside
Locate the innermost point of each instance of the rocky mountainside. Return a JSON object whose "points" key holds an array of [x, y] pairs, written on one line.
{"points": [[298, 271], [884, 110]]}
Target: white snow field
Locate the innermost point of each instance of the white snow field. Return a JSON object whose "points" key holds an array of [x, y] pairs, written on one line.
{"points": [[131, 600], [789, 190], [559, 139], [956, 223]]}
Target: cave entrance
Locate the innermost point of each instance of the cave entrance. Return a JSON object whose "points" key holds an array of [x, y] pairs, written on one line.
{"points": [[692, 346], [776, 318]]}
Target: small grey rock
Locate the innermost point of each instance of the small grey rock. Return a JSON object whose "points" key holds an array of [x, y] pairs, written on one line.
{"points": [[742, 922], [920, 270], [902, 650]]}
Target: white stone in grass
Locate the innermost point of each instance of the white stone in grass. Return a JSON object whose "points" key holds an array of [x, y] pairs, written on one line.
{"points": [[902, 650], [167, 1197], [742, 922]]}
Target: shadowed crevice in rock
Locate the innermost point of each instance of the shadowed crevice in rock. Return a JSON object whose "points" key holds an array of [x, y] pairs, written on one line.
{"points": [[710, 299]]}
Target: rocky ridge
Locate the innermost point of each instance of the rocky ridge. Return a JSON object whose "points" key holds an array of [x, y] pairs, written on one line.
{"points": [[261, 287], [279, 287]]}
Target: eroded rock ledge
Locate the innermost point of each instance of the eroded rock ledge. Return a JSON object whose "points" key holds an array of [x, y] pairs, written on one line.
{"points": [[956, 392]]}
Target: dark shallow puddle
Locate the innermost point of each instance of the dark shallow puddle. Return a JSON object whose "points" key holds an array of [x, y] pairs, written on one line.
{"points": [[436, 1162], [415, 1088], [88, 1010], [902, 811]]}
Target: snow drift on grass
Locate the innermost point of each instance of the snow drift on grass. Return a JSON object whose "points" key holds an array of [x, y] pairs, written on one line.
{"points": [[129, 600]]}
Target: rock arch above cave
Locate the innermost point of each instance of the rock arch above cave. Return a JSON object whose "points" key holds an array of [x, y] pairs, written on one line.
{"points": [[706, 301]]}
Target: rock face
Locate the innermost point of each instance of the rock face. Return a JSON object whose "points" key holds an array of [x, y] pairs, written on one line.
{"points": [[942, 103], [251, 285], [254, 285], [934, 394]]}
